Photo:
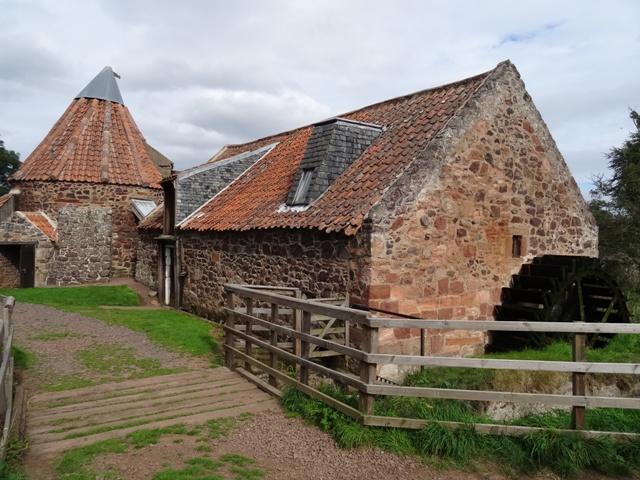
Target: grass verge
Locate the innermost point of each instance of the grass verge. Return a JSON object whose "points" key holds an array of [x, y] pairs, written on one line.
{"points": [[74, 299], [566, 455]]}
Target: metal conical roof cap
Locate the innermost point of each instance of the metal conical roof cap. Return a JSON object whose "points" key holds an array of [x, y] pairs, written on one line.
{"points": [[103, 87]]}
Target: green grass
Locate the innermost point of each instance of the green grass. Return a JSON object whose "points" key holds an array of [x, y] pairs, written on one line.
{"points": [[73, 299], [114, 362], [53, 336], [173, 330], [566, 455], [22, 358], [77, 463]]}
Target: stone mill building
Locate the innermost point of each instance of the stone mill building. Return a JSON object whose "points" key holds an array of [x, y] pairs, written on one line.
{"points": [[424, 204], [72, 214]]}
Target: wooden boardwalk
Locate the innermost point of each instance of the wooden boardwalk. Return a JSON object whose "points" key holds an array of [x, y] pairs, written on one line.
{"points": [[58, 421]]}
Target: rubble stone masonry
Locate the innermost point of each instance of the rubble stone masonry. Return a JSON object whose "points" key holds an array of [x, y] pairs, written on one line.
{"points": [[50, 197], [147, 264], [313, 261], [18, 230], [83, 246], [442, 236]]}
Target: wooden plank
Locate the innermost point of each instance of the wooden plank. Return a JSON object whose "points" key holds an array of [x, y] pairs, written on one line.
{"points": [[312, 392], [256, 328], [490, 363], [484, 396], [322, 333], [332, 300], [274, 288], [341, 313], [478, 325], [297, 326], [8, 413], [335, 330], [249, 330], [368, 369], [229, 331], [264, 311], [579, 382], [273, 339], [305, 348], [327, 344], [334, 375], [264, 386], [325, 353], [6, 374], [492, 429]]}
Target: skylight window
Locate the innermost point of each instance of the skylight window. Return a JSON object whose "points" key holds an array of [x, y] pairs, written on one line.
{"points": [[303, 187]]}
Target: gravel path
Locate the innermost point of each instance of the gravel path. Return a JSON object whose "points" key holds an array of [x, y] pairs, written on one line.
{"points": [[285, 448]]}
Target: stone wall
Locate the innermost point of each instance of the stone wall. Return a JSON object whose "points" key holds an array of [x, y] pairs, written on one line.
{"points": [[18, 230], [10, 266], [50, 197], [83, 246], [147, 264], [442, 236], [313, 261]]}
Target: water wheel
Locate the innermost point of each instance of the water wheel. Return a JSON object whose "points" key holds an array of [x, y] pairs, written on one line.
{"points": [[558, 288]]}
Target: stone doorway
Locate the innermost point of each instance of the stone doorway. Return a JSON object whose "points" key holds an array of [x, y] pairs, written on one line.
{"points": [[18, 265]]}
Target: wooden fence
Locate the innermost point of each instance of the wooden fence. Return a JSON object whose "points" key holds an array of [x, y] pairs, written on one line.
{"points": [[6, 373], [262, 318]]}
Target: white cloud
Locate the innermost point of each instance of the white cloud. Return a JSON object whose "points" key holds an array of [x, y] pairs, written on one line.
{"points": [[199, 74]]}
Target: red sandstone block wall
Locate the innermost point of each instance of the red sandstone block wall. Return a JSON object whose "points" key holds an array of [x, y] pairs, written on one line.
{"points": [[442, 248]]}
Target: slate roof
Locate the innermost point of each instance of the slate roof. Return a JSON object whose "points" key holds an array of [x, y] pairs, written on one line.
{"points": [[41, 221], [256, 199], [94, 141]]}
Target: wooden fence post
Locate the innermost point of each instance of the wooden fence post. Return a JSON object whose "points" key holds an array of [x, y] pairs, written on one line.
{"points": [[305, 347], [7, 311], [230, 338], [249, 331], [578, 414], [297, 326], [368, 370], [273, 358]]}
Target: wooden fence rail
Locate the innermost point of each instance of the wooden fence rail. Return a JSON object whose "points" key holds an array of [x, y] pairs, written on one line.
{"points": [[6, 373], [260, 325]]}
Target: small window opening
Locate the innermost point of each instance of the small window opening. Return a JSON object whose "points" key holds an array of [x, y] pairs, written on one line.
{"points": [[303, 187], [516, 246]]}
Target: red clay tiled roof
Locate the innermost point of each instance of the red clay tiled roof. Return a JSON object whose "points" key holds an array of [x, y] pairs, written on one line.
{"points": [[154, 220], [41, 221], [254, 199], [95, 141], [5, 198]]}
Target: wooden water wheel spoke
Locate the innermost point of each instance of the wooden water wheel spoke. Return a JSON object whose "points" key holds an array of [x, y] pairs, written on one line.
{"points": [[559, 288]]}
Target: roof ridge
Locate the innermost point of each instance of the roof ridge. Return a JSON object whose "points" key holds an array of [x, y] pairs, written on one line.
{"points": [[376, 104]]}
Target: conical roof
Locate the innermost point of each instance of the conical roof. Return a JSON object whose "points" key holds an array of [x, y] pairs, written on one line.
{"points": [[103, 87], [96, 140]]}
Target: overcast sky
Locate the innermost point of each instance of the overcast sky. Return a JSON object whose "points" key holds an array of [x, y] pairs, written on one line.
{"points": [[199, 74]]}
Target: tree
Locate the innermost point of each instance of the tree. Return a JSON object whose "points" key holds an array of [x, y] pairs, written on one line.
{"points": [[616, 208], [9, 163]]}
